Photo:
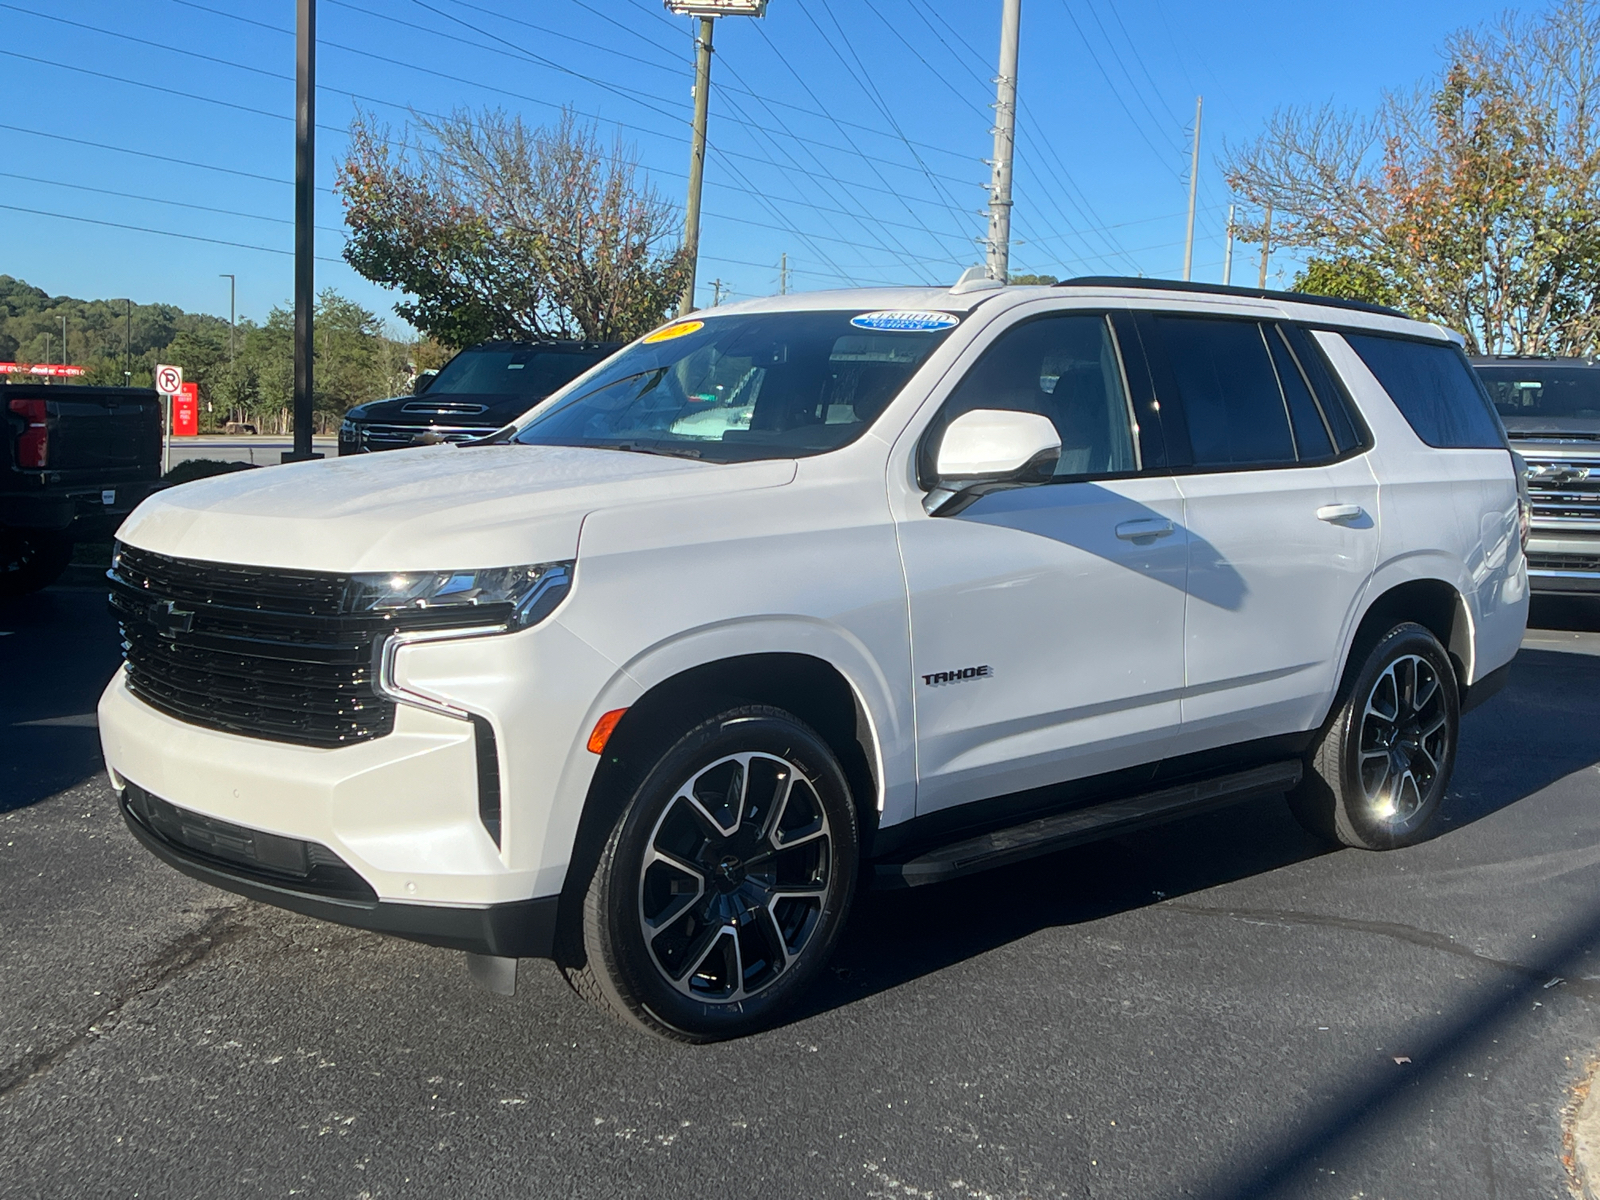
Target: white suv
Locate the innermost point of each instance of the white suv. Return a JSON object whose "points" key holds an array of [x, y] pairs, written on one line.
{"points": [[800, 593]]}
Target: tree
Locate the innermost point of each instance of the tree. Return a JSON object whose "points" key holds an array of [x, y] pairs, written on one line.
{"points": [[1473, 201], [495, 230], [1034, 280]]}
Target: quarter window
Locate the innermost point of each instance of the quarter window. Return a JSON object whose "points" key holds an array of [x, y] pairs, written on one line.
{"points": [[1434, 388], [1067, 369], [1232, 401]]}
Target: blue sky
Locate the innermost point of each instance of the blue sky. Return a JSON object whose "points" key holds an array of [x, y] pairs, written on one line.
{"points": [[848, 134]]}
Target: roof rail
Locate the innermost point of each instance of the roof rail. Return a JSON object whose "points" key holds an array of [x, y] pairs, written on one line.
{"points": [[1217, 289]]}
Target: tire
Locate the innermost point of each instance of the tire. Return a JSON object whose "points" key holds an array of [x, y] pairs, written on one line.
{"points": [[30, 560], [725, 882], [1378, 772]]}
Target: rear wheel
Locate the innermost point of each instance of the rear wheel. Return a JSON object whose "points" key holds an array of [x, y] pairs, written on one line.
{"points": [[725, 882], [1379, 771], [30, 560]]}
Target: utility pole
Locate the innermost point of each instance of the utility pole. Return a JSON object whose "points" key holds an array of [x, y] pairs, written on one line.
{"points": [[1227, 255], [1266, 246], [1194, 183], [63, 340], [232, 284], [707, 11], [716, 293], [305, 203], [1005, 143], [697, 160], [783, 274]]}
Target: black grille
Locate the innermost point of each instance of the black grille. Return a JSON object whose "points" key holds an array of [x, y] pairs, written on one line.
{"points": [[248, 853], [257, 651], [1563, 562]]}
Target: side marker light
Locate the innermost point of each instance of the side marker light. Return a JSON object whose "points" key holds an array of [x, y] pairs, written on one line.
{"points": [[603, 729]]}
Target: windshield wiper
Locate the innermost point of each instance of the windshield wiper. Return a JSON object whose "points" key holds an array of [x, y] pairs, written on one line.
{"points": [[640, 448]]}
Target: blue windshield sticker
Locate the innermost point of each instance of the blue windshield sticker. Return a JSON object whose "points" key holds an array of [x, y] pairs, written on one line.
{"points": [[905, 321]]}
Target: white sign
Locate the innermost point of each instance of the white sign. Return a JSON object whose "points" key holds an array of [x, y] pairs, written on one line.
{"points": [[169, 380]]}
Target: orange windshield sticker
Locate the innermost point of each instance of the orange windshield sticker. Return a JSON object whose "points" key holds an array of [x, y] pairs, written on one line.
{"points": [[681, 329]]}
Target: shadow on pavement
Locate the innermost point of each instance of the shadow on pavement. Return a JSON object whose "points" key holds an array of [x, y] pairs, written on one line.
{"points": [[58, 648], [1544, 726]]}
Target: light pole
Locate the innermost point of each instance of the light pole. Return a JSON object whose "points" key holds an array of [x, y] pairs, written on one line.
{"points": [[707, 11], [305, 124], [63, 339], [231, 292], [998, 264]]}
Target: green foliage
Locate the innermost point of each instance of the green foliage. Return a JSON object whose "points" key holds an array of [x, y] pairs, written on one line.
{"points": [[1034, 280], [355, 360], [1347, 278], [495, 230], [1472, 201]]}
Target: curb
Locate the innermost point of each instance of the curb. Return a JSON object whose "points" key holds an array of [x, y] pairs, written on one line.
{"points": [[1581, 1137]]}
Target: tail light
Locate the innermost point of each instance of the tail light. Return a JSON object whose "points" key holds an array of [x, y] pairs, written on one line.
{"points": [[33, 443]]}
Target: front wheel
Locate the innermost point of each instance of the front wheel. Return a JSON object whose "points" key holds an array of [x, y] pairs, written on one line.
{"points": [[1378, 773], [725, 882], [30, 560]]}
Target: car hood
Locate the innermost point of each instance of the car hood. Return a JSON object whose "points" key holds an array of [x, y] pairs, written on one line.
{"points": [[431, 508]]}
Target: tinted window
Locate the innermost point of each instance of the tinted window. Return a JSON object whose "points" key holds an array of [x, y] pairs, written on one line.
{"points": [[1313, 441], [1064, 368], [1232, 403], [512, 371], [739, 387], [1537, 390], [1330, 395], [1434, 388]]}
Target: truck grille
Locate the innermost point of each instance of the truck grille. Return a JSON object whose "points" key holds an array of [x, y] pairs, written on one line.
{"points": [[256, 651], [394, 437], [1564, 490], [1563, 562]]}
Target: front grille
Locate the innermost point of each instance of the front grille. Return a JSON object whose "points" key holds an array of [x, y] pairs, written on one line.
{"points": [[257, 651], [1563, 562], [1564, 490], [394, 437]]}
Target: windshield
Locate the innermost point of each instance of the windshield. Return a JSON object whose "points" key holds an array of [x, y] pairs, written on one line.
{"points": [[1535, 390], [736, 388], [532, 371]]}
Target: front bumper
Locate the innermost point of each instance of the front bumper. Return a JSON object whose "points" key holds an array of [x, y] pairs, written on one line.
{"points": [[1563, 563], [319, 885]]}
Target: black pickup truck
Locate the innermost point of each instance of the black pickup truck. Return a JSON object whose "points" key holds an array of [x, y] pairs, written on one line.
{"points": [[76, 462]]}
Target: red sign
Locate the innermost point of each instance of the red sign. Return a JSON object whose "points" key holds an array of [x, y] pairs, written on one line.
{"points": [[55, 370], [186, 411]]}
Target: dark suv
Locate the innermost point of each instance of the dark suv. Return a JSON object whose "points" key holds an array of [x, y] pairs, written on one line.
{"points": [[479, 390], [1551, 410]]}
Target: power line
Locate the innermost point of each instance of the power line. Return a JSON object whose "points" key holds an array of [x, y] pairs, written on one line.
{"points": [[167, 158], [190, 237], [226, 212]]}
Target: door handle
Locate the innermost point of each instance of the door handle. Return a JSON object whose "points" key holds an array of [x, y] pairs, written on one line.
{"points": [[1147, 527], [1340, 512]]}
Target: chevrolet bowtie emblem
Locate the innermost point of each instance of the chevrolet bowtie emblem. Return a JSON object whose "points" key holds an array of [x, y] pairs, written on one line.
{"points": [[169, 619]]}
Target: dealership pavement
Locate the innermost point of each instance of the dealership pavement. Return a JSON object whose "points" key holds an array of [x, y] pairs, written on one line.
{"points": [[1219, 1008]]}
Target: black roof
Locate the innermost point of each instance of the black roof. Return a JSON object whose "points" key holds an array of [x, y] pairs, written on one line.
{"points": [[1553, 360], [1217, 289], [546, 344]]}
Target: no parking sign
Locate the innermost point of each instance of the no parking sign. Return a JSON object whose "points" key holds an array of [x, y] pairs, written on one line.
{"points": [[169, 380]]}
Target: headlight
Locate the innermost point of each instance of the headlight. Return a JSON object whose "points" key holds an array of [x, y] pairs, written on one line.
{"points": [[347, 431], [513, 597]]}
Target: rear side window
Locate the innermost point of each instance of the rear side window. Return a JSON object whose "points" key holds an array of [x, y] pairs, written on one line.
{"points": [[1434, 388], [1232, 401]]}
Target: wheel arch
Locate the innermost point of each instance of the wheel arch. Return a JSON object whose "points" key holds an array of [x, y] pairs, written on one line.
{"points": [[814, 689], [1435, 604]]}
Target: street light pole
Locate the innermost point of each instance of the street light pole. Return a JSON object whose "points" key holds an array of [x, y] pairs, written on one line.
{"points": [[1005, 144], [231, 292], [305, 123], [1194, 181], [707, 11]]}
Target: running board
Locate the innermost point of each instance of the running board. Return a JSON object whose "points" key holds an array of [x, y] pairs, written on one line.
{"points": [[1048, 834]]}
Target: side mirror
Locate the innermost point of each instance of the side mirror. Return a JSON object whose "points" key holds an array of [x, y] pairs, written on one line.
{"points": [[988, 448], [423, 382]]}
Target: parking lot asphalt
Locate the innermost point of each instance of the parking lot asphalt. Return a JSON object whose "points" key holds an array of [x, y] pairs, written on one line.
{"points": [[1217, 1008]]}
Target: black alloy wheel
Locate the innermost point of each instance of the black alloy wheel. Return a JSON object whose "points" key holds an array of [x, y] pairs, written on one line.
{"points": [[725, 882]]}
